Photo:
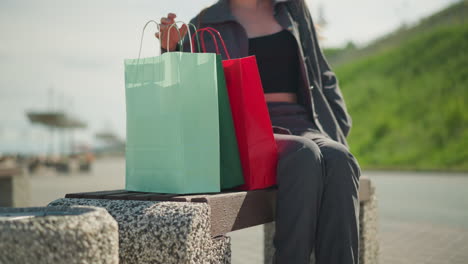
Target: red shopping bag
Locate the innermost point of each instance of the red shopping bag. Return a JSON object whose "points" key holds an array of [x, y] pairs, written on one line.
{"points": [[257, 147]]}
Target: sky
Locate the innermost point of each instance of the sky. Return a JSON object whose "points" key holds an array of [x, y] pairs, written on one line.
{"points": [[64, 54]]}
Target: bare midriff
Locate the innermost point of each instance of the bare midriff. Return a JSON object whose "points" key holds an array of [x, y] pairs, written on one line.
{"points": [[281, 97]]}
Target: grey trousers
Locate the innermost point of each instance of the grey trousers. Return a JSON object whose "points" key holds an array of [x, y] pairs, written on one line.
{"points": [[317, 201]]}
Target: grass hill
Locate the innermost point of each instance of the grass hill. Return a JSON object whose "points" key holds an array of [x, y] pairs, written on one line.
{"points": [[456, 14], [409, 96]]}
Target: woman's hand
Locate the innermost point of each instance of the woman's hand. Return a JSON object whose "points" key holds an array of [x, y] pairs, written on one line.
{"points": [[166, 23]]}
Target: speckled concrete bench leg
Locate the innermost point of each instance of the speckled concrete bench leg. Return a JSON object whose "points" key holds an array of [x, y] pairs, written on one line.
{"points": [[55, 235], [162, 232], [368, 223]]}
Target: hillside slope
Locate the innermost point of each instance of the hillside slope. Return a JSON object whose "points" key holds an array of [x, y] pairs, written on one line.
{"points": [[409, 102], [456, 14]]}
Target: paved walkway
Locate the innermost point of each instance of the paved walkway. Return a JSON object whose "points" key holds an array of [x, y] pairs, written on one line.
{"points": [[409, 243], [423, 216], [401, 243]]}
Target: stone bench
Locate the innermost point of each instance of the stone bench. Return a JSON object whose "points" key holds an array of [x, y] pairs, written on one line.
{"points": [[167, 228], [56, 235], [14, 187]]}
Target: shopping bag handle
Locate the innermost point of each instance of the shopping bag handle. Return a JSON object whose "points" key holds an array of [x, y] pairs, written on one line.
{"points": [[143, 34], [191, 39], [203, 49], [160, 39], [141, 43], [195, 31], [220, 38], [211, 31]]}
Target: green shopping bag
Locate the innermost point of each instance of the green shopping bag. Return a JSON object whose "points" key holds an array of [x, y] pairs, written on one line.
{"points": [[231, 168], [173, 125]]}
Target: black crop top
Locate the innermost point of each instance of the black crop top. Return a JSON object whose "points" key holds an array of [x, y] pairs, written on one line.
{"points": [[277, 59]]}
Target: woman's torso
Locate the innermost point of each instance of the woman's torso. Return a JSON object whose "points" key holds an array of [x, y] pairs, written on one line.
{"points": [[292, 16], [276, 52], [273, 47]]}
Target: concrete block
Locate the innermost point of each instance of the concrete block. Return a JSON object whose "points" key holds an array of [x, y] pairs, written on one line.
{"points": [[53, 235], [368, 224], [162, 232], [221, 253], [15, 187]]}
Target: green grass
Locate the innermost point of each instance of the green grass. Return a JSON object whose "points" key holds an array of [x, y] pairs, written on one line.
{"points": [[456, 14], [409, 102]]}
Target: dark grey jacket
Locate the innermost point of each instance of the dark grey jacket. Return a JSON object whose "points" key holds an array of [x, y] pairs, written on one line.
{"points": [[320, 92]]}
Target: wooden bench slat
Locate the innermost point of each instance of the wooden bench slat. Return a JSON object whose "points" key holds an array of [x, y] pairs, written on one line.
{"points": [[168, 197], [119, 196], [140, 196], [100, 195], [238, 210], [93, 195]]}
